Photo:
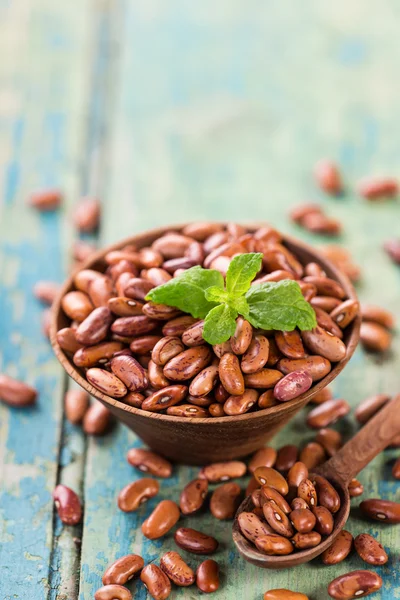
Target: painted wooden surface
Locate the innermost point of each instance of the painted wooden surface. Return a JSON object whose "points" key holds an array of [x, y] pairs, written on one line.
{"points": [[170, 112]]}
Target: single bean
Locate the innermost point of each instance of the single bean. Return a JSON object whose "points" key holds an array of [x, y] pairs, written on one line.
{"points": [[375, 188], [77, 305], [165, 515], [370, 406], [330, 440], [45, 200], [283, 594], [162, 399], [149, 462], [193, 496], [221, 349], [306, 490], [328, 178], [125, 307], [165, 349], [216, 410], [16, 393], [326, 286], [290, 344], [316, 366], [327, 495], [324, 524], [257, 498], [327, 303], [312, 455], [385, 511], [106, 382], [123, 569], [187, 411], [134, 326], [322, 396], [46, 291], [68, 505], [97, 419], [354, 585], [97, 354], [193, 335], [113, 592], [133, 495], [339, 550], [277, 519], [230, 374], [325, 321], [374, 337], [187, 364], [202, 230], [134, 399], [298, 504], [274, 354], [156, 582], [392, 248], [238, 405], [160, 312], [324, 343], [66, 339], [265, 457], [176, 327], [303, 520], [100, 290], [267, 399], [286, 458], [256, 355], [265, 378], [204, 381], [370, 550], [297, 473], [271, 494], [345, 313], [274, 544], [130, 372], [355, 488], [327, 413], [223, 471], [207, 576], [156, 376], [301, 541], [176, 569], [292, 385], [271, 477], [195, 541], [225, 500], [172, 245], [241, 339], [76, 403], [252, 527], [87, 214]]}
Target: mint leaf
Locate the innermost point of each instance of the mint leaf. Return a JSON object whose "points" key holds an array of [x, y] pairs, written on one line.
{"points": [[240, 305], [187, 291], [279, 305], [215, 294], [241, 272], [219, 324]]}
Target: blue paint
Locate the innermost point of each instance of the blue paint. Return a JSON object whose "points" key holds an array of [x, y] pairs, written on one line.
{"points": [[352, 52]]}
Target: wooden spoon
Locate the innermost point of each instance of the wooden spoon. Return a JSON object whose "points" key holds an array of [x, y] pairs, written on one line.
{"points": [[374, 437]]}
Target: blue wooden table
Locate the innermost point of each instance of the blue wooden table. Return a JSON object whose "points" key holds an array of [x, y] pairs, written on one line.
{"points": [[172, 111]]}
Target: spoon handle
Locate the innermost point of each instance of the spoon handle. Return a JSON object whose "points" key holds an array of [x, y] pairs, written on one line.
{"points": [[374, 437]]}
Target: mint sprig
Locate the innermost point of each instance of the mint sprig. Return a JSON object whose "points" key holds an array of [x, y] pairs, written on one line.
{"points": [[202, 293]]}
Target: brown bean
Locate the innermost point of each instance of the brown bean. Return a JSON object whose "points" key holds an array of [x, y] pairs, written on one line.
{"points": [[188, 411], [144, 344], [76, 403], [187, 364], [176, 327], [355, 488], [215, 240], [113, 592], [296, 474], [303, 520], [195, 541], [306, 490], [369, 407], [339, 550], [130, 372], [225, 500], [95, 327], [267, 399], [370, 550], [327, 413], [345, 313], [204, 381], [125, 307], [66, 339], [257, 498], [292, 386], [301, 541], [252, 527], [16, 393], [128, 255], [193, 335], [149, 462], [114, 271], [45, 200], [286, 457], [46, 291], [385, 511], [271, 494], [134, 326], [230, 374], [97, 419], [324, 524], [100, 290], [166, 348], [327, 495], [68, 505], [256, 355], [396, 469], [160, 312], [354, 585], [150, 258], [324, 343], [325, 321], [327, 303], [201, 230], [277, 519], [176, 569], [97, 354], [290, 344], [193, 496], [156, 376], [298, 504], [172, 245], [216, 410], [77, 306], [330, 440], [326, 286], [375, 188], [271, 477], [374, 337], [221, 349], [392, 248], [265, 457], [133, 495], [223, 471], [162, 399], [322, 396], [265, 378], [238, 405], [207, 576], [278, 275], [241, 339], [328, 178], [87, 214], [165, 515], [273, 544], [283, 594], [156, 276], [123, 569], [316, 366], [156, 582], [312, 455], [300, 211]]}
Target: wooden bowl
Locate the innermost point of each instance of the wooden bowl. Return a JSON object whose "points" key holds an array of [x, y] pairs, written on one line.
{"points": [[201, 441]]}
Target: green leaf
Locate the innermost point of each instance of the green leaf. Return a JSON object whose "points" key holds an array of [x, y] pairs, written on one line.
{"points": [[279, 306], [215, 294], [187, 291], [219, 324], [240, 305], [241, 272]]}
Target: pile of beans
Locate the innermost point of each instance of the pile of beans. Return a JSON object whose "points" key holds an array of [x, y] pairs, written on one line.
{"points": [[313, 218], [154, 357]]}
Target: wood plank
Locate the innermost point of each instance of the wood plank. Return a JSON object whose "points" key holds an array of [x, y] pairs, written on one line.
{"points": [[221, 115], [42, 94]]}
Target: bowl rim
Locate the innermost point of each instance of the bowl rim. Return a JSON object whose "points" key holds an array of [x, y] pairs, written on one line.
{"points": [[98, 256]]}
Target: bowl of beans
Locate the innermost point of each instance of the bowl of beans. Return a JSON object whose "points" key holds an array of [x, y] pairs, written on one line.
{"points": [[149, 362]]}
